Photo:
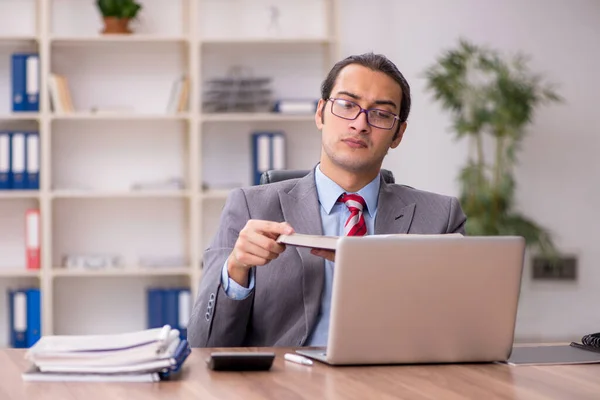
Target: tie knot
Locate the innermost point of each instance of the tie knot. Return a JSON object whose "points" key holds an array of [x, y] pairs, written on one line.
{"points": [[353, 201]]}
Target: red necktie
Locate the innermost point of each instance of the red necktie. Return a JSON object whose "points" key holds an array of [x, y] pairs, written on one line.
{"points": [[355, 225]]}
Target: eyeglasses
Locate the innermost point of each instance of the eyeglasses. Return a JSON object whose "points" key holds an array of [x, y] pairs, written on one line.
{"points": [[349, 110]]}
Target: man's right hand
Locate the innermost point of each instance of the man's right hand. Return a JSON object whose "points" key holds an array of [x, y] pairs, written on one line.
{"points": [[255, 245]]}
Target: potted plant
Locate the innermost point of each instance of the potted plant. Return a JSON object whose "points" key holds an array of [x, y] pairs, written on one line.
{"points": [[117, 14], [491, 96]]}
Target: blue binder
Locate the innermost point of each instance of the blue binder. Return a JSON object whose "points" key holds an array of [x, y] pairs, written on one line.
{"points": [[261, 155], [32, 82], [171, 307], [19, 82], [17, 313], [181, 354], [32, 160], [184, 309], [18, 160], [34, 320], [155, 306], [5, 161], [268, 152]]}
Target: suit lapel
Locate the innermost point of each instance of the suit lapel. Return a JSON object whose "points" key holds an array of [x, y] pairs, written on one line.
{"points": [[300, 207], [393, 214]]}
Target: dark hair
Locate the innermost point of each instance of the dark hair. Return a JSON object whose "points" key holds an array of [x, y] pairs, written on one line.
{"points": [[376, 62]]}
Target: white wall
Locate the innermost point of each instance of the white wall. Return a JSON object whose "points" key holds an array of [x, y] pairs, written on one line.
{"points": [[558, 176]]}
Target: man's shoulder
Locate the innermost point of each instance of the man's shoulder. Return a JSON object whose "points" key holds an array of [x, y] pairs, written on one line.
{"points": [[270, 188], [410, 194], [265, 193]]}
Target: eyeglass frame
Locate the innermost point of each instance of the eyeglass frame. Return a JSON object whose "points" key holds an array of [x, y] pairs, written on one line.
{"points": [[366, 111]]}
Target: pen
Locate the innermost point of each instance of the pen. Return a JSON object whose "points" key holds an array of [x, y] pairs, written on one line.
{"points": [[297, 359]]}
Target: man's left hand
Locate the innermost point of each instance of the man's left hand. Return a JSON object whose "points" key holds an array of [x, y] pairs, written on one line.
{"points": [[327, 254]]}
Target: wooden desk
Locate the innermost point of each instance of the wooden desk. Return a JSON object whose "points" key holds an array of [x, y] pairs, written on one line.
{"points": [[292, 381]]}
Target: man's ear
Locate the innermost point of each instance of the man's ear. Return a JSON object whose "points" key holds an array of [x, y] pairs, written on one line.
{"points": [[319, 114], [399, 137]]}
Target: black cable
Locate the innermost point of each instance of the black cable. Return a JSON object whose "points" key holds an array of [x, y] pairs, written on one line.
{"points": [[592, 340]]}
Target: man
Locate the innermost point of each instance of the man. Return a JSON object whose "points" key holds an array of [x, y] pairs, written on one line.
{"points": [[256, 292]]}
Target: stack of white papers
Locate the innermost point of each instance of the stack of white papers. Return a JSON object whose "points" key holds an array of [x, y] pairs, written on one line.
{"points": [[143, 356]]}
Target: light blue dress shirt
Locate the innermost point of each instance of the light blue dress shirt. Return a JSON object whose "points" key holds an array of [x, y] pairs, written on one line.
{"points": [[333, 218]]}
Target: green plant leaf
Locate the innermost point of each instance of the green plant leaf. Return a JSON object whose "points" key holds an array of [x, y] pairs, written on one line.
{"points": [[119, 8], [487, 93]]}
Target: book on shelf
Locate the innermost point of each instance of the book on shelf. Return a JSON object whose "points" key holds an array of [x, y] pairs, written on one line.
{"points": [[60, 95], [330, 242], [268, 153], [24, 305], [32, 238], [295, 106], [169, 306], [141, 356], [25, 75], [19, 160], [178, 99]]}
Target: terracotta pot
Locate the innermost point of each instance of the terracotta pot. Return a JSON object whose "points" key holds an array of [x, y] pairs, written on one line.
{"points": [[116, 25]]}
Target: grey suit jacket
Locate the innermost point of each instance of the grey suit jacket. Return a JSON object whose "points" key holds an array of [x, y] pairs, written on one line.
{"points": [[283, 308]]}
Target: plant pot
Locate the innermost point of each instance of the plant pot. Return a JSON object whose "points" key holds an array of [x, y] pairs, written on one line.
{"points": [[116, 25]]}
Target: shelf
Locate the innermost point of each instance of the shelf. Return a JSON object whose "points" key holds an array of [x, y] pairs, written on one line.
{"points": [[256, 117], [122, 132], [91, 194], [266, 41], [119, 117], [134, 38], [17, 38], [19, 273], [215, 194], [19, 194], [125, 271], [20, 116]]}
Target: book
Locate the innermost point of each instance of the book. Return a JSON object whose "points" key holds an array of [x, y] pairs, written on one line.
{"points": [[310, 241], [330, 242]]}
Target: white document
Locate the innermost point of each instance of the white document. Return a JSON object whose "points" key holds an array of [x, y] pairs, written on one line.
{"points": [[154, 338], [35, 375]]}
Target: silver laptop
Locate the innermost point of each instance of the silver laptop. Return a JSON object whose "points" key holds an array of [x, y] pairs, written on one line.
{"points": [[405, 299]]}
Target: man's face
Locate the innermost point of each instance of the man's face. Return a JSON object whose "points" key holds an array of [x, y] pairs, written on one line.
{"points": [[354, 145]]}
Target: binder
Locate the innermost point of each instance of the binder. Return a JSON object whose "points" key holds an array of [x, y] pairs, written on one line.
{"points": [[32, 239], [261, 155], [18, 160], [184, 304], [32, 175], [179, 356], [278, 150], [34, 320], [19, 82], [171, 308], [5, 175], [17, 310], [32, 82], [155, 308]]}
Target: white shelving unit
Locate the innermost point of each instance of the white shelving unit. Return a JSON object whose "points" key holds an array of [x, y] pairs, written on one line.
{"points": [[90, 160]]}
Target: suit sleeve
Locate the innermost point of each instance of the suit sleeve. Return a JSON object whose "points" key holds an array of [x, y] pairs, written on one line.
{"points": [[456, 218], [218, 320]]}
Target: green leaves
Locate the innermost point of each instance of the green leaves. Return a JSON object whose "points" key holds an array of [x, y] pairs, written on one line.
{"points": [[490, 94], [119, 8]]}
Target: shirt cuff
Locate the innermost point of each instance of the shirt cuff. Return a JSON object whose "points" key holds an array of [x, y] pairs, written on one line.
{"points": [[234, 290]]}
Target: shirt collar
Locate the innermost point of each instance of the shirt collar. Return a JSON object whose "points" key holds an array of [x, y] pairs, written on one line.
{"points": [[329, 192]]}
